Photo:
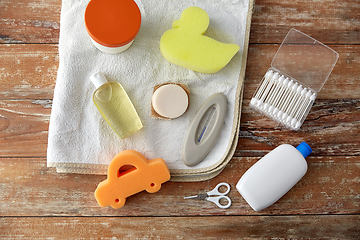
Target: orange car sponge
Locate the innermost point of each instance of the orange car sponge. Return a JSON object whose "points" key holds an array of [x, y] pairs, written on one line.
{"points": [[142, 175], [185, 44]]}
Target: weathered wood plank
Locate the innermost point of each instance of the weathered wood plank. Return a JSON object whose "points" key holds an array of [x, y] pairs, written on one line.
{"points": [[333, 125], [29, 71], [229, 227], [30, 21], [23, 127], [331, 185], [331, 22], [29, 188]]}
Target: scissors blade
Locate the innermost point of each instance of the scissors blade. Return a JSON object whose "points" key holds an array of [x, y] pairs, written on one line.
{"points": [[202, 196]]}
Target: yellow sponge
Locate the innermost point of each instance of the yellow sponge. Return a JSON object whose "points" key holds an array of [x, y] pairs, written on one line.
{"points": [[186, 46]]}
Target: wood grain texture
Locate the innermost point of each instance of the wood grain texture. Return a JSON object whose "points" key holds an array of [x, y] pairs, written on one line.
{"points": [[24, 125], [330, 22], [29, 188], [30, 21], [332, 128], [222, 227], [37, 202], [29, 71]]}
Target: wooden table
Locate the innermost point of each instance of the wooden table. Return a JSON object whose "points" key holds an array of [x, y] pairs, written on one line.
{"points": [[37, 202]]}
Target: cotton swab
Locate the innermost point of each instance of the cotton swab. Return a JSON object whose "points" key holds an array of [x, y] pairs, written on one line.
{"points": [[306, 110], [279, 96], [299, 101], [259, 93], [289, 100], [304, 103], [267, 89], [283, 99], [297, 105], [275, 85], [295, 99], [275, 93]]}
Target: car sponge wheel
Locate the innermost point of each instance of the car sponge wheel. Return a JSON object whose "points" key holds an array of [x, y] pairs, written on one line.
{"points": [[119, 202], [153, 187]]}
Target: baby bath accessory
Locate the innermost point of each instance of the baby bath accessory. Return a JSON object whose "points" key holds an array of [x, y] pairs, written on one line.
{"points": [[141, 174], [298, 71], [273, 175], [115, 106], [112, 24], [215, 196], [87, 138], [204, 129], [186, 46]]}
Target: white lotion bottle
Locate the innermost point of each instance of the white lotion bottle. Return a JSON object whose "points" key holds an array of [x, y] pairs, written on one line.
{"points": [[273, 175]]}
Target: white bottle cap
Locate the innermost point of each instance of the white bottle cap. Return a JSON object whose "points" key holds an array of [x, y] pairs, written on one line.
{"points": [[98, 79]]}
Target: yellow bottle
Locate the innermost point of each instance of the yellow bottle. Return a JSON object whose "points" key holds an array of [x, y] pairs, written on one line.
{"points": [[115, 106]]}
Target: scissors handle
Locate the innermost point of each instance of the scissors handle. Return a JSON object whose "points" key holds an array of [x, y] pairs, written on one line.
{"points": [[216, 200], [216, 191]]}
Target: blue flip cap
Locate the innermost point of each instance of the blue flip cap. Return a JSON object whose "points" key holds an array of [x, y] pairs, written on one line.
{"points": [[304, 149]]}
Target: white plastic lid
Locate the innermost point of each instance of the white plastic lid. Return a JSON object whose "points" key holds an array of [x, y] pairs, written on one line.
{"points": [[98, 79], [305, 59]]}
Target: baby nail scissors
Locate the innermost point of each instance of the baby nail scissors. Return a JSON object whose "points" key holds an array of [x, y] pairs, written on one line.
{"points": [[215, 192]]}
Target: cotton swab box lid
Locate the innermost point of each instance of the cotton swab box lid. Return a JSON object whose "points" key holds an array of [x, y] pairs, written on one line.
{"points": [[298, 71], [305, 59], [112, 23]]}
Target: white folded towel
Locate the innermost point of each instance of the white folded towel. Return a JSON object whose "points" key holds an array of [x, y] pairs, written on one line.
{"points": [[81, 141]]}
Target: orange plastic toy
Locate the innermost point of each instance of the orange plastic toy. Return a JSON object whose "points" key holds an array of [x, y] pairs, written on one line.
{"points": [[143, 175]]}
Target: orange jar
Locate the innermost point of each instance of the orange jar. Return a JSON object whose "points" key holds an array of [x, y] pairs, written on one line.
{"points": [[112, 24]]}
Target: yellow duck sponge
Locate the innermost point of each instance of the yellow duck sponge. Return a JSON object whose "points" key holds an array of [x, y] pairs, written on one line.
{"points": [[186, 46]]}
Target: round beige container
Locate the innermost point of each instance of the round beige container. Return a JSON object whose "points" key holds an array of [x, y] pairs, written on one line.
{"points": [[112, 24]]}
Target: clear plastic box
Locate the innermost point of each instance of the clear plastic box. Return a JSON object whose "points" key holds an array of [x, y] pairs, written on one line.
{"points": [[298, 71]]}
